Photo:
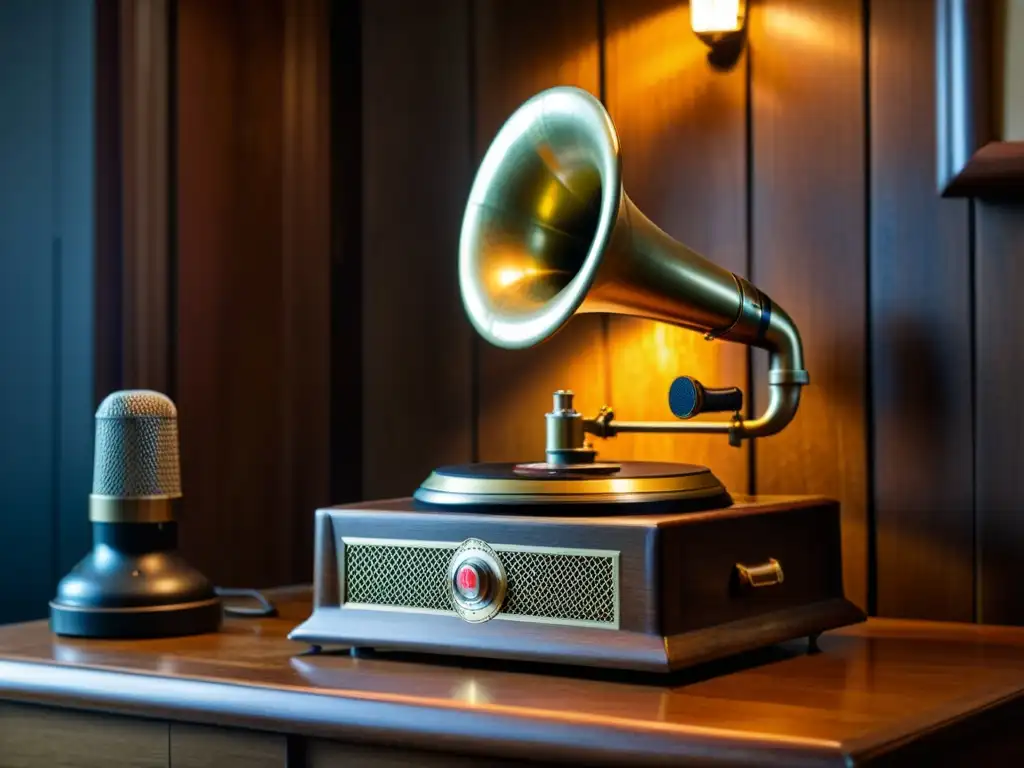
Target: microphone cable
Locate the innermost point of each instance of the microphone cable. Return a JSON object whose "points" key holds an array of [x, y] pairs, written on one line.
{"points": [[266, 607]]}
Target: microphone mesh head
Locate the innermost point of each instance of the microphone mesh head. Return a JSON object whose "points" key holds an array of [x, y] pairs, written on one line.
{"points": [[136, 446]]}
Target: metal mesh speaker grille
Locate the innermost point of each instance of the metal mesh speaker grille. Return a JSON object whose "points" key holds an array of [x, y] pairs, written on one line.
{"points": [[555, 586], [136, 451], [413, 577], [549, 586]]}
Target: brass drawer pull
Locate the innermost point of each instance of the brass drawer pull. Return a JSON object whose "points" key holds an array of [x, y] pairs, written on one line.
{"points": [[764, 575]]}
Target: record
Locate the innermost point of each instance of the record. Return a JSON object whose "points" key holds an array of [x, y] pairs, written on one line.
{"points": [[502, 487]]}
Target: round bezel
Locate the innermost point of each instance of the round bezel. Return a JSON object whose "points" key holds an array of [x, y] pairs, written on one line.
{"points": [[493, 584]]}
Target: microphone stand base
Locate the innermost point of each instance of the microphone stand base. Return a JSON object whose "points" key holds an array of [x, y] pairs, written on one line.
{"points": [[137, 623], [134, 584]]}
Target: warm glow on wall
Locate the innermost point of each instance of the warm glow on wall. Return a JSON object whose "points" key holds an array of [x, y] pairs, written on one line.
{"points": [[714, 19]]}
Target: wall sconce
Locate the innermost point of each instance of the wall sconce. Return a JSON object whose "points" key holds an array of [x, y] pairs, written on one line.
{"points": [[718, 21]]}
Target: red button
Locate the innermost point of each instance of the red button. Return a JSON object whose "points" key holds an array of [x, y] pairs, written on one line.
{"points": [[468, 580]]}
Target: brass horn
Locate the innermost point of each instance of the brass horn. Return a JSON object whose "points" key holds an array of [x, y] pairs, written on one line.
{"points": [[549, 232]]}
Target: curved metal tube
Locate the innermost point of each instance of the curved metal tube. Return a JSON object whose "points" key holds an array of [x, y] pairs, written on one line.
{"points": [[786, 376]]}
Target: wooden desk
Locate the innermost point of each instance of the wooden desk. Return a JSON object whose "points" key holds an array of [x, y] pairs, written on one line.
{"points": [[886, 692]]}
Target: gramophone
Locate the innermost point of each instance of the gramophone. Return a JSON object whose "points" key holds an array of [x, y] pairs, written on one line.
{"points": [[569, 557]]}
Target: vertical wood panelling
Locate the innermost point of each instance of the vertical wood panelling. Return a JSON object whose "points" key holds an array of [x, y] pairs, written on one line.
{"points": [[345, 33], [107, 157], [144, 103], [920, 335], [809, 253], [76, 263], [521, 49], [231, 304], [417, 403], [682, 128], [46, 297], [305, 271], [28, 306], [999, 449], [205, 219]]}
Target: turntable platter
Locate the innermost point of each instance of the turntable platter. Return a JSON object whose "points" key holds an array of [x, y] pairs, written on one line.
{"points": [[640, 482]]}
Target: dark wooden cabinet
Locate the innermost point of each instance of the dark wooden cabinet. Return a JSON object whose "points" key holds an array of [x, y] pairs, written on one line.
{"points": [[328, 754], [34, 736], [203, 746], [882, 693]]}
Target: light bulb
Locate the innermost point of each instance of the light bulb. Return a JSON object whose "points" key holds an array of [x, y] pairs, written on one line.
{"points": [[716, 17]]}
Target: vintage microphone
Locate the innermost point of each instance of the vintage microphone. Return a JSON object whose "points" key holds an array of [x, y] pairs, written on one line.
{"points": [[133, 583]]}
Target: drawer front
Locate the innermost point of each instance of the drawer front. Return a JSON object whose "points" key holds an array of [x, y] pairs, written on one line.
{"points": [[202, 746], [328, 754], [40, 737], [729, 569]]}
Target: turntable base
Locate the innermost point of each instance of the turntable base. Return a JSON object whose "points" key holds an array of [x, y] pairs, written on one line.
{"points": [[655, 592]]}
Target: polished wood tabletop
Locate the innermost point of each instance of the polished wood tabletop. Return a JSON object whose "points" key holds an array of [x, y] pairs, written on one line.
{"points": [[877, 690]]}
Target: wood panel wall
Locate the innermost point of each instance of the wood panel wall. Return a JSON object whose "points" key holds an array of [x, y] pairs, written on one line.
{"points": [[326, 357], [998, 240], [682, 125], [514, 389], [808, 229], [416, 407], [920, 338], [46, 296], [252, 295]]}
